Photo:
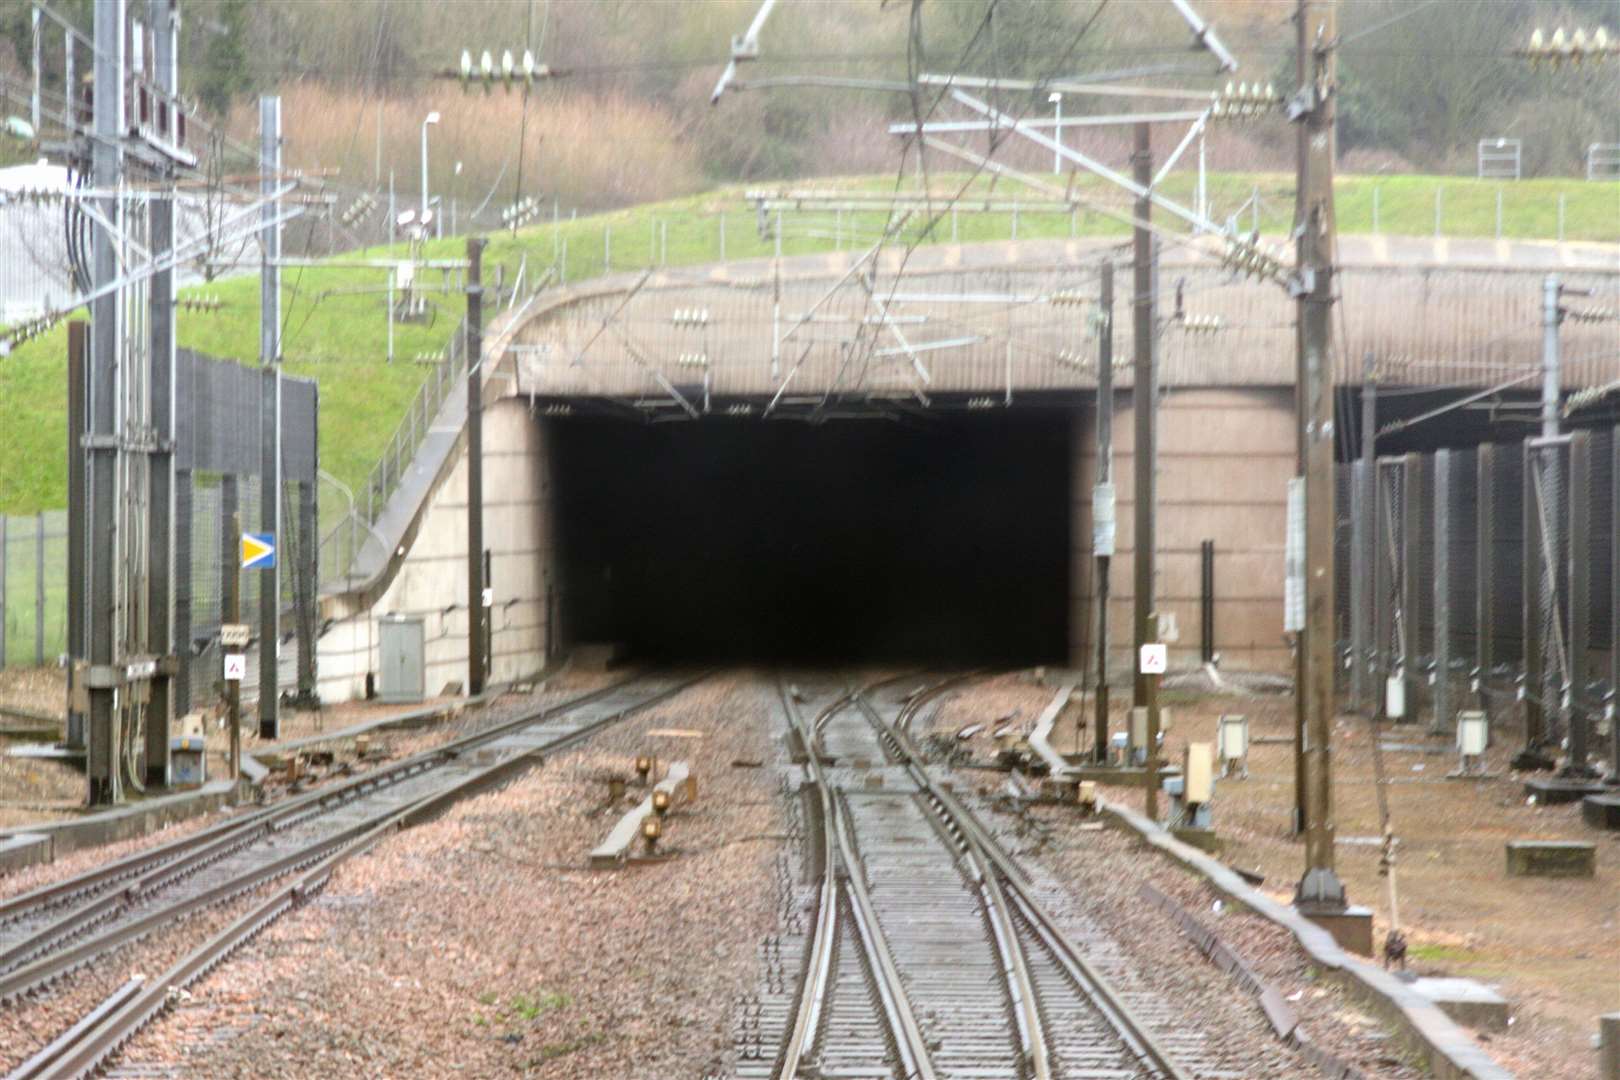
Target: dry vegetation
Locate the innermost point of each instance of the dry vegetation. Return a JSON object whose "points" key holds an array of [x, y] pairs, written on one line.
{"points": [[589, 153]]}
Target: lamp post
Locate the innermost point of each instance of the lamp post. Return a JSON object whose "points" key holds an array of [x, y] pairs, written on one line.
{"points": [[432, 118], [1057, 155]]}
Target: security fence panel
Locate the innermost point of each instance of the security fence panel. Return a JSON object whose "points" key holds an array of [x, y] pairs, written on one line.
{"points": [[33, 588], [1559, 697]]}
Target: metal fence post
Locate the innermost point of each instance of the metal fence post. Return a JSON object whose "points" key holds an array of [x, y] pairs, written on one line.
{"points": [[1499, 213], [1375, 210], [182, 590], [230, 582], [1441, 718], [1560, 217], [1411, 575], [1484, 579], [2, 591], [1579, 562], [39, 589], [1360, 582], [722, 236], [1383, 577], [1439, 197], [1614, 613], [1531, 687]]}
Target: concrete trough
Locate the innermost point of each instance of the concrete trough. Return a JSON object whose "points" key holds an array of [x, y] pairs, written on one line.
{"points": [[1551, 858]]}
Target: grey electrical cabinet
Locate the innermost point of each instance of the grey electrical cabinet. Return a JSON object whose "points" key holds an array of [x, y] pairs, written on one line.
{"points": [[400, 678]]}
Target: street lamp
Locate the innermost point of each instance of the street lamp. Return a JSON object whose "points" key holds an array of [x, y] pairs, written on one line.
{"points": [[1057, 155], [432, 118]]}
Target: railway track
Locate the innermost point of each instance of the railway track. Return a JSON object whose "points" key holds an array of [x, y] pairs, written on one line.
{"points": [[48, 933], [930, 954]]}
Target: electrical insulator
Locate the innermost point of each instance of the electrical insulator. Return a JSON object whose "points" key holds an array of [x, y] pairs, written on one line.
{"points": [[690, 317], [1573, 47], [697, 360], [1202, 324], [485, 69], [1068, 298]]}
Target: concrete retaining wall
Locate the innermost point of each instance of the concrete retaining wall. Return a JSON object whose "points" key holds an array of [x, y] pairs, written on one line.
{"points": [[1225, 457], [431, 581]]}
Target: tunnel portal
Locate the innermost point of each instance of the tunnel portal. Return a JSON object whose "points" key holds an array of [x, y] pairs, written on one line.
{"points": [[943, 538]]}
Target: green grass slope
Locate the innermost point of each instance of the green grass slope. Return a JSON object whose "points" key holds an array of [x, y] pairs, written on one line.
{"points": [[335, 327]]}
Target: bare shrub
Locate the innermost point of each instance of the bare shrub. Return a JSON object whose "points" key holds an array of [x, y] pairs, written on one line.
{"points": [[589, 152]]}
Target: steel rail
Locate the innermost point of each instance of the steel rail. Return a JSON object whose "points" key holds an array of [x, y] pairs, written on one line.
{"points": [[96, 1040], [63, 960], [215, 837], [1003, 932], [1133, 1031], [915, 1060], [818, 967], [905, 1034]]}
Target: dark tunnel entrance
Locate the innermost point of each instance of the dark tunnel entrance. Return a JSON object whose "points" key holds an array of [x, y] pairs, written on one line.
{"points": [[943, 539]]}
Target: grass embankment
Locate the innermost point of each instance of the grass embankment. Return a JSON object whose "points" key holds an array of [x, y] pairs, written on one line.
{"points": [[336, 333]]}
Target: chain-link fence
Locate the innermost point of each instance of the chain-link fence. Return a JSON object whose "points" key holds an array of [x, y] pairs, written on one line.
{"points": [[33, 589], [1486, 578]]}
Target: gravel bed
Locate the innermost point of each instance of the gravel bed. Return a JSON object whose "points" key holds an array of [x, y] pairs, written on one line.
{"points": [[27, 1025], [480, 945], [1093, 862], [386, 746]]}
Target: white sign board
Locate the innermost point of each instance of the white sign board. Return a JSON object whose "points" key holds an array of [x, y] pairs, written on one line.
{"points": [[1294, 560], [1155, 658], [235, 666], [234, 635], [489, 597]]}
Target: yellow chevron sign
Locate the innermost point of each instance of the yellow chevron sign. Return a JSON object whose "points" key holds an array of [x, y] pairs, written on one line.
{"points": [[258, 551]]}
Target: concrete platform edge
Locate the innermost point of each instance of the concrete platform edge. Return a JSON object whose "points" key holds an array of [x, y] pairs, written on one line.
{"points": [[1450, 1052]]}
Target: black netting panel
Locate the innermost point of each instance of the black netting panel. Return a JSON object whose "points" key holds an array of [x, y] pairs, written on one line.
{"points": [[1507, 559]]}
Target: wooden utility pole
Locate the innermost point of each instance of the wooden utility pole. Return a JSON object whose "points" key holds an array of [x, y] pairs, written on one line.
{"points": [[1320, 889], [1102, 498]]}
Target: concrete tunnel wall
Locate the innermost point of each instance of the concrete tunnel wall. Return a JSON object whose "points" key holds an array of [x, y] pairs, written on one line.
{"points": [[1224, 461], [1225, 457], [433, 574]]}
